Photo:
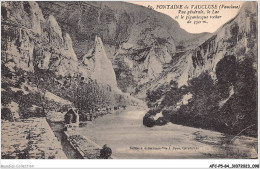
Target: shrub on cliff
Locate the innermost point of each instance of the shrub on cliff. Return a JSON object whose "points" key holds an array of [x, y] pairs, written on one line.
{"points": [[6, 114], [153, 111], [152, 96]]}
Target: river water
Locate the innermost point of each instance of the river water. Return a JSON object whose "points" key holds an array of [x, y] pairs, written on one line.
{"points": [[125, 134]]}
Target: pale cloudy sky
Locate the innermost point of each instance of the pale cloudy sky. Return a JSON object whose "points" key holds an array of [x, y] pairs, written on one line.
{"points": [[211, 26]]}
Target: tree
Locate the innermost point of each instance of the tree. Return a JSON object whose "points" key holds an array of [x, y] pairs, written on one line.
{"points": [[6, 114], [42, 80], [91, 96]]}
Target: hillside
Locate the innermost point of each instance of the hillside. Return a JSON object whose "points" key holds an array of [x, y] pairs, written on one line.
{"points": [[214, 86]]}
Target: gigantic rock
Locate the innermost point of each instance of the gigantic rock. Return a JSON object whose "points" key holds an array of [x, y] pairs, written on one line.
{"points": [[102, 69]]}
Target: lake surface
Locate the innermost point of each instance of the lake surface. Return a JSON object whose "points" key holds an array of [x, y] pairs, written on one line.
{"points": [[128, 138]]}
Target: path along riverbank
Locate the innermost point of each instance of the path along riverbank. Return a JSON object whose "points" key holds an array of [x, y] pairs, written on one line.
{"points": [[74, 144]]}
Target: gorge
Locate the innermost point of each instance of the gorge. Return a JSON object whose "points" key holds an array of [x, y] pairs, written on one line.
{"points": [[102, 56]]}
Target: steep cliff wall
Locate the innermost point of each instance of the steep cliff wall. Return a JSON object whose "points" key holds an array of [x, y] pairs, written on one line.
{"points": [[220, 76], [236, 38], [32, 42]]}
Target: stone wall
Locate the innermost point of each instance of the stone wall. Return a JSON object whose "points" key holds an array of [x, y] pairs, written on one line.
{"points": [[83, 145], [29, 139]]}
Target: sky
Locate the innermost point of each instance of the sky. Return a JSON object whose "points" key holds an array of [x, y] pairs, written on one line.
{"points": [[224, 14]]}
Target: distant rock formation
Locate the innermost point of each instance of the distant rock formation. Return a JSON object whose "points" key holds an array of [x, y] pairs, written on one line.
{"points": [[103, 70], [141, 43], [99, 66]]}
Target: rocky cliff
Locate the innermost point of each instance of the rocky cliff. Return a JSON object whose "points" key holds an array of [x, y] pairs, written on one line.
{"points": [[236, 39], [219, 76], [31, 41], [38, 54], [139, 42]]}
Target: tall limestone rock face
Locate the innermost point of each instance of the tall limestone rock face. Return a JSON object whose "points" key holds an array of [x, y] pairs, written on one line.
{"points": [[31, 41], [18, 32], [100, 66], [140, 42]]}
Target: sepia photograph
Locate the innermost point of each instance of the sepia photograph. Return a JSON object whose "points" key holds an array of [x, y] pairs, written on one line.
{"points": [[129, 80]]}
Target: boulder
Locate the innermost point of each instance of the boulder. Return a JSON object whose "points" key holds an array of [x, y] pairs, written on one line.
{"points": [[148, 120]]}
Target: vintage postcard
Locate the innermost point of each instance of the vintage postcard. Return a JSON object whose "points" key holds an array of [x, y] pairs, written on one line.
{"points": [[129, 80]]}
